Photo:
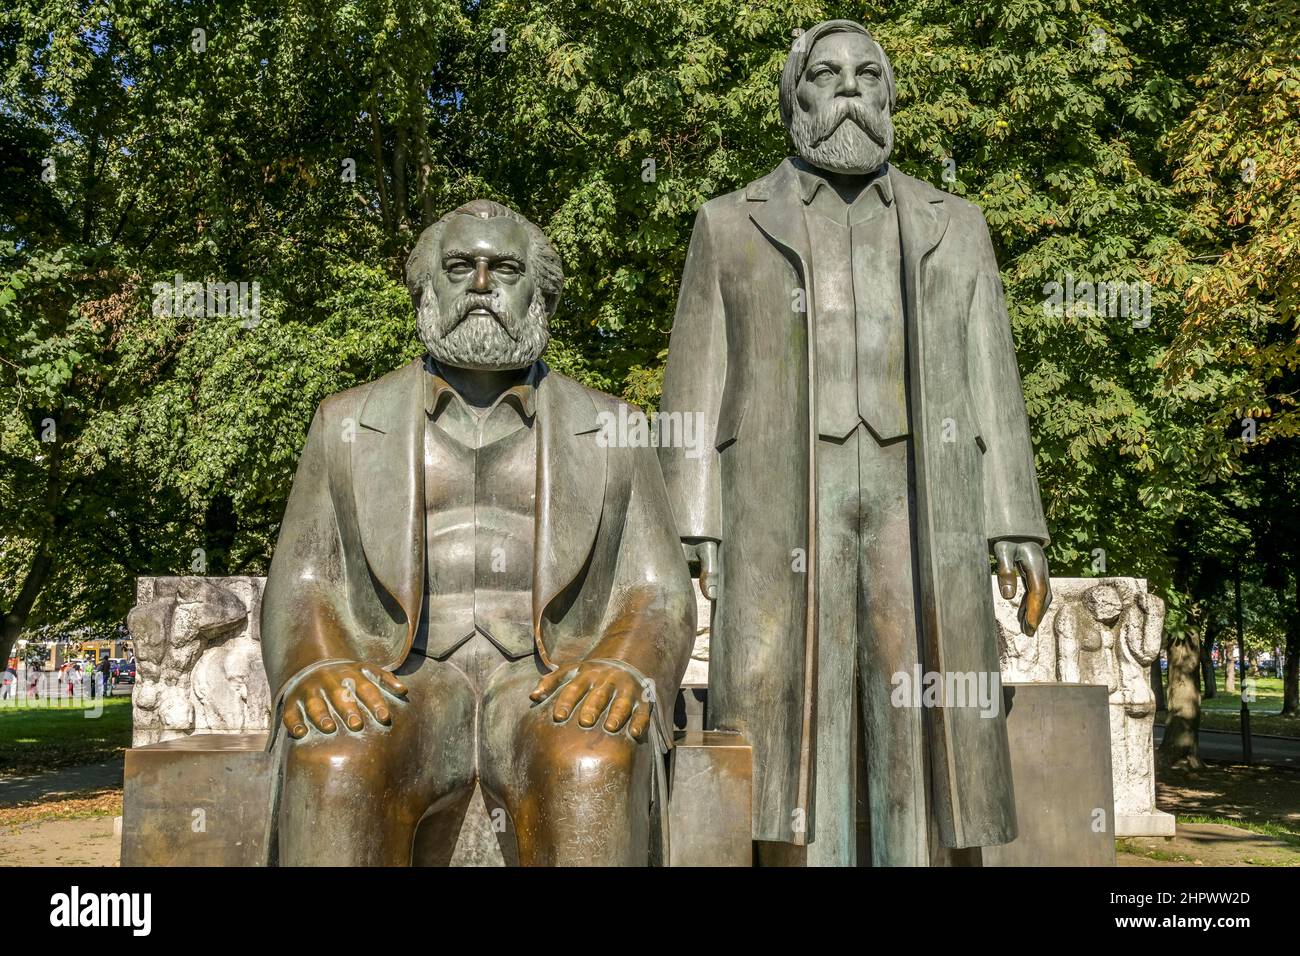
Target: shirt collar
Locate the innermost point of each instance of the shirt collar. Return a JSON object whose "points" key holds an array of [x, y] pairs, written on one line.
{"points": [[811, 179], [522, 397]]}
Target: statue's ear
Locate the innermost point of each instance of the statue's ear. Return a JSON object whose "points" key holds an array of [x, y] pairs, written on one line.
{"points": [[552, 300]]}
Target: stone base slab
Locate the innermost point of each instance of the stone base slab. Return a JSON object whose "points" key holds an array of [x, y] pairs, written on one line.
{"points": [[1154, 824]]}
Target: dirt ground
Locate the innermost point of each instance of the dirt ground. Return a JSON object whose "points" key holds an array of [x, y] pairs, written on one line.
{"points": [[87, 841], [1207, 844]]}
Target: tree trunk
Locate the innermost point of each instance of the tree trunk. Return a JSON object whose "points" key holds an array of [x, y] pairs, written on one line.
{"points": [[38, 572], [1158, 684], [1208, 690], [1229, 669], [220, 528], [1291, 672], [1183, 722]]}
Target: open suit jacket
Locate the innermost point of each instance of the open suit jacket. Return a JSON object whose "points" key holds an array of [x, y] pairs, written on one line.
{"points": [[348, 576], [743, 353]]}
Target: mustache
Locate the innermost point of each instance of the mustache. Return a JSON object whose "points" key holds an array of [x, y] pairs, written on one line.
{"points": [[823, 124], [472, 301]]}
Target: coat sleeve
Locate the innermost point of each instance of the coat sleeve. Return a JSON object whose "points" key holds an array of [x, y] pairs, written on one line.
{"points": [[1012, 506], [301, 619], [693, 385], [650, 621]]}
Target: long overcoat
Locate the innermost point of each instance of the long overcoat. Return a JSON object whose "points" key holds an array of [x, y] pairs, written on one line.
{"points": [[740, 356]]}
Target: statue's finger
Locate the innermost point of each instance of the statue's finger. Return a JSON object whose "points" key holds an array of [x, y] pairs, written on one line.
{"points": [[1004, 552], [619, 713], [318, 713], [373, 698], [595, 704], [388, 682], [1035, 574], [344, 700], [294, 721], [546, 686], [640, 721], [573, 692]]}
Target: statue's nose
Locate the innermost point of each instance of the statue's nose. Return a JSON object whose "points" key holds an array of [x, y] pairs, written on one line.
{"points": [[481, 283]]}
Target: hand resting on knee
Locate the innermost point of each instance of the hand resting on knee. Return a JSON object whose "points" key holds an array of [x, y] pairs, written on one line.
{"points": [[344, 687]]}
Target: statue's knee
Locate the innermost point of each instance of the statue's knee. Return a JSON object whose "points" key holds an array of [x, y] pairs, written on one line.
{"points": [[323, 759], [567, 754]]}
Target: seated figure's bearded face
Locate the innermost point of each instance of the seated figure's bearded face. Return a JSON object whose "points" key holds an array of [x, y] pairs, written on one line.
{"points": [[480, 307], [841, 118]]}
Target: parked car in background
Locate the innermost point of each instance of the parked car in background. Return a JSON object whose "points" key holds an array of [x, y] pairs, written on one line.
{"points": [[124, 672]]}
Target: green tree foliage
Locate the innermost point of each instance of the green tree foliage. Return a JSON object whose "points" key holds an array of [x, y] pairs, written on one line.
{"points": [[303, 146]]}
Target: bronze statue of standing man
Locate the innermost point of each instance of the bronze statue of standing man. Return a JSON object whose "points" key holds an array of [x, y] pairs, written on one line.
{"points": [[842, 327]]}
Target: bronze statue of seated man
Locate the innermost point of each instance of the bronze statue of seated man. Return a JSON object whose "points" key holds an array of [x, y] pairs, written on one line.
{"points": [[470, 587]]}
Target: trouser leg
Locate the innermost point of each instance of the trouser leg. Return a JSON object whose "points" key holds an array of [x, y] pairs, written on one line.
{"points": [[356, 799], [838, 520], [576, 796], [893, 736]]}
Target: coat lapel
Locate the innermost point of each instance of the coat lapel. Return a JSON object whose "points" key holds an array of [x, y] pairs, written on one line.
{"points": [[922, 222], [571, 470], [778, 213], [388, 485]]}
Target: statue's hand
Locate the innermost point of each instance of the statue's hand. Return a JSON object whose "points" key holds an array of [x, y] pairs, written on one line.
{"points": [[1027, 558], [703, 552], [595, 685], [343, 686]]}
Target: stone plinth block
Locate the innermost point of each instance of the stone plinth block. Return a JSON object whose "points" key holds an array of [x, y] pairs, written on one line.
{"points": [[203, 800], [709, 812], [1060, 762]]}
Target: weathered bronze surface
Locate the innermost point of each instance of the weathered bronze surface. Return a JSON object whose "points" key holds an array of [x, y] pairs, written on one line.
{"points": [[203, 800], [711, 798], [1060, 756], [471, 588], [841, 328]]}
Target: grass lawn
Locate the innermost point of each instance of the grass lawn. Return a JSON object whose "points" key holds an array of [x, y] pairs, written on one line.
{"points": [[34, 738], [1223, 711]]}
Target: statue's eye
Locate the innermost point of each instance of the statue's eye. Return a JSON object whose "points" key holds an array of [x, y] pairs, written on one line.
{"points": [[508, 268], [459, 268]]}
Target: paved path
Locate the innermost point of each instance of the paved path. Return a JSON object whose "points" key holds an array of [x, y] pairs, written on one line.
{"points": [[59, 784], [1224, 745]]}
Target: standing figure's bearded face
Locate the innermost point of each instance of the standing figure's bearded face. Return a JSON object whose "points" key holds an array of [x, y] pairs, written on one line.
{"points": [[479, 307], [841, 118]]}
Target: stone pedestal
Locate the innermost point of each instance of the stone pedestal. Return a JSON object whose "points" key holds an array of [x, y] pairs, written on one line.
{"points": [[1106, 632], [203, 800], [1060, 762], [710, 809]]}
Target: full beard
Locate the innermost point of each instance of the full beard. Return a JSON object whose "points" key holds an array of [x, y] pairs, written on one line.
{"points": [[482, 342], [849, 138]]}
